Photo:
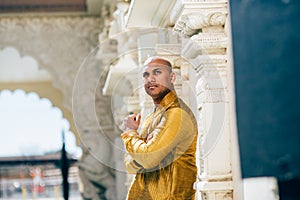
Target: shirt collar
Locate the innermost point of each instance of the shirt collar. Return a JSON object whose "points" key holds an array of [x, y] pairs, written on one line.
{"points": [[168, 100]]}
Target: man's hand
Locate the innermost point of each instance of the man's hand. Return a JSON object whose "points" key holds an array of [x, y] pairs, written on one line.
{"points": [[131, 122], [149, 137]]}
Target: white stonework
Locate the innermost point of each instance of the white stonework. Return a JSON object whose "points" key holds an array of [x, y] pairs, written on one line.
{"points": [[206, 8], [190, 24], [94, 120], [154, 13], [201, 62], [203, 22], [60, 44]]}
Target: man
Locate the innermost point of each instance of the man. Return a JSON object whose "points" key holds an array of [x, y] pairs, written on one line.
{"points": [[162, 153]]}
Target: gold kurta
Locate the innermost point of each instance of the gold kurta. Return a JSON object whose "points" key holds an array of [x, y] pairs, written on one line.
{"points": [[165, 165]]}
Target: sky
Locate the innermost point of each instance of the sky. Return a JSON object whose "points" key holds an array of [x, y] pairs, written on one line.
{"points": [[29, 125]]}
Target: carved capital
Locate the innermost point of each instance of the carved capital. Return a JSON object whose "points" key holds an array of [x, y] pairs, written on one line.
{"points": [[204, 62], [183, 7], [191, 23], [204, 43]]}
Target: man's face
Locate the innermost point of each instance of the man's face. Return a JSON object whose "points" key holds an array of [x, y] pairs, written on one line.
{"points": [[158, 78]]}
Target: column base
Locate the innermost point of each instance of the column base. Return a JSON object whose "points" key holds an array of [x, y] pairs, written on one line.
{"points": [[221, 190]]}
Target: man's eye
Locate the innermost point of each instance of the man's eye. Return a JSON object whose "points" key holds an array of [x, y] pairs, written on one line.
{"points": [[156, 72], [145, 75]]}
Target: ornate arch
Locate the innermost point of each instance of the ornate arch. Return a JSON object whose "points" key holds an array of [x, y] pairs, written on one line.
{"points": [[59, 44]]}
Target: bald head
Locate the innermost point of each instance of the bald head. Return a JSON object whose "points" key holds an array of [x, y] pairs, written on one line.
{"points": [[158, 61]]}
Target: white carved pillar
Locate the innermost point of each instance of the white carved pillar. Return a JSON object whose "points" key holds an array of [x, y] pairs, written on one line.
{"points": [[205, 50], [120, 84], [215, 173], [95, 126]]}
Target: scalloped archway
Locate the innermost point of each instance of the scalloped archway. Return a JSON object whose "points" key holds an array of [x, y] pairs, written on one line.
{"points": [[32, 125]]}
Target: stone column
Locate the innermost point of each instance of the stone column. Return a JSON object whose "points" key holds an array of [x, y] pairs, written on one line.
{"points": [[94, 123], [205, 47]]}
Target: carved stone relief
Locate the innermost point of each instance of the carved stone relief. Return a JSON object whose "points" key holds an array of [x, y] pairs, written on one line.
{"points": [[191, 23], [203, 22]]}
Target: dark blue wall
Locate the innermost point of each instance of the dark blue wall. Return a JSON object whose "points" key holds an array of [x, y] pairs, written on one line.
{"points": [[266, 49]]}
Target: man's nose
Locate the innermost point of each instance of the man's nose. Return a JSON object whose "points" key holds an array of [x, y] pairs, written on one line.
{"points": [[151, 78]]}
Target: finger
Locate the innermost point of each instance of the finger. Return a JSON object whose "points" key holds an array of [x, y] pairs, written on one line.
{"points": [[149, 138], [133, 117]]}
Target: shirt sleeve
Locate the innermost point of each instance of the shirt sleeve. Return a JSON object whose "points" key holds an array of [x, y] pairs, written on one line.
{"points": [[132, 167], [175, 127]]}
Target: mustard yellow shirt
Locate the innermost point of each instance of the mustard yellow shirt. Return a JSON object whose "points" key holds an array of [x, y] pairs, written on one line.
{"points": [[165, 165]]}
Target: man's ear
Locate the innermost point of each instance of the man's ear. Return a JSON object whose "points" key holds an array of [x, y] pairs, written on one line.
{"points": [[173, 77]]}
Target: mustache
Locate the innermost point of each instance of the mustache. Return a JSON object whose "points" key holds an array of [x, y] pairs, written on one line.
{"points": [[152, 85]]}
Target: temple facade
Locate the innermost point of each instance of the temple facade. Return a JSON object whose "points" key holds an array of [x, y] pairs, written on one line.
{"points": [[94, 60]]}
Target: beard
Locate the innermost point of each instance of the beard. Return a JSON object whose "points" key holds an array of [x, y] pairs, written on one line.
{"points": [[157, 97]]}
